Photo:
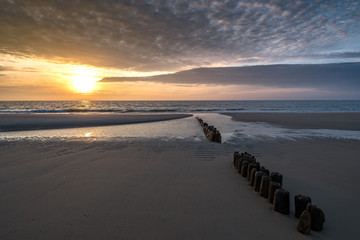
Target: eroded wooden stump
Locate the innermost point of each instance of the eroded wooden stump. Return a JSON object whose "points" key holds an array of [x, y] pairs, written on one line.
{"points": [[281, 201], [272, 188]]}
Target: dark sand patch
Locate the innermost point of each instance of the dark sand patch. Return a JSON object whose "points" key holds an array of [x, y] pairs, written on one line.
{"points": [[336, 121], [19, 122]]}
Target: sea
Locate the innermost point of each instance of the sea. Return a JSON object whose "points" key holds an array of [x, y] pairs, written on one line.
{"points": [[304, 106], [233, 132]]}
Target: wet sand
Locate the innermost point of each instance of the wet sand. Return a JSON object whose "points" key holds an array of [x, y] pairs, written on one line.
{"points": [[337, 121], [20, 121]]}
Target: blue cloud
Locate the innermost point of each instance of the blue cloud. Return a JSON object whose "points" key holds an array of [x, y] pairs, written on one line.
{"points": [[344, 76]]}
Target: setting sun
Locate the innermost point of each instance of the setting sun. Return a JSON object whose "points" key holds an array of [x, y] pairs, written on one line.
{"points": [[84, 79]]}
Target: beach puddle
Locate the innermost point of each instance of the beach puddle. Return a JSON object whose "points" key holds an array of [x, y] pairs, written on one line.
{"points": [[185, 128], [232, 132]]}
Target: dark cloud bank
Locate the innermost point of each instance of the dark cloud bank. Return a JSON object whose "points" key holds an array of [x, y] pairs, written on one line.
{"points": [[169, 35], [344, 76]]}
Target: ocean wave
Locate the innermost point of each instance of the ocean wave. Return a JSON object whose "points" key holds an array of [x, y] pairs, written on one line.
{"points": [[33, 111], [217, 110], [150, 110], [75, 110], [177, 106]]}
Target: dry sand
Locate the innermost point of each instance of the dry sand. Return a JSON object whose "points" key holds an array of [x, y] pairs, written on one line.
{"points": [[178, 189], [23, 121], [338, 121]]}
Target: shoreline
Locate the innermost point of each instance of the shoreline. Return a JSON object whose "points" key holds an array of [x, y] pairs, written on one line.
{"points": [[23, 121], [334, 121]]}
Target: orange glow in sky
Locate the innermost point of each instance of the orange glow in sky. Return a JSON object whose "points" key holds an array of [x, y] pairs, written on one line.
{"points": [[40, 79], [84, 79]]}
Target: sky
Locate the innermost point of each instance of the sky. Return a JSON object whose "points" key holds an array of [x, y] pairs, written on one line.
{"points": [[131, 50]]}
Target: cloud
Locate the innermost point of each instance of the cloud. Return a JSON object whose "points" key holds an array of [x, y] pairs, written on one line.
{"points": [[16, 69], [168, 35], [320, 76], [3, 68], [346, 55]]}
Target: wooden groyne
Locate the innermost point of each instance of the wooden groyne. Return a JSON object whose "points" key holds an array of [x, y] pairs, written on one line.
{"points": [[210, 131], [269, 185]]}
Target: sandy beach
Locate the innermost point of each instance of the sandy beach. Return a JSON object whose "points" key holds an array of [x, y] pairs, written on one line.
{"points": [[338, 121], [173, 189]]}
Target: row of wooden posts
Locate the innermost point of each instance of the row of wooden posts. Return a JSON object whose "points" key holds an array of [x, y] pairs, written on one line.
{"points": [[269, 185], [210, 131]]}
